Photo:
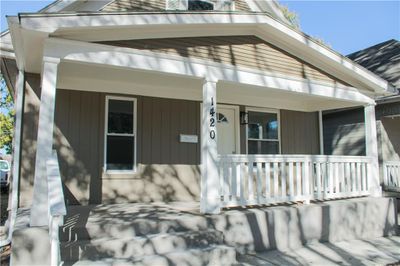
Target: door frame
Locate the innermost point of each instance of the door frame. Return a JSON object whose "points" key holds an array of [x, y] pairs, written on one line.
{"points": [[235, 108]]}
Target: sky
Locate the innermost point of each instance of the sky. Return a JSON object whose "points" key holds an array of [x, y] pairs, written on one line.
{"points": [[347, 26]]}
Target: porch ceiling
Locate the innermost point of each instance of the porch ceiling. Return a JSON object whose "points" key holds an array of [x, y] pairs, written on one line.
{"points": [[86, 77]]}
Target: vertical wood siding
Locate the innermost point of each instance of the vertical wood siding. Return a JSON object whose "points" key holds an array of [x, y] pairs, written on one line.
{"points": [[79, 140], [242, 51], [344, 133], [29, 138], [299, 132]]}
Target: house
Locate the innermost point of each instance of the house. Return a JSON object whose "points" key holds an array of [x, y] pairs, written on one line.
{"points": [[343, 129], [216, 102]]}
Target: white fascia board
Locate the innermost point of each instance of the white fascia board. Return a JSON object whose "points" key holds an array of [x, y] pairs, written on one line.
{"points": [[266, 24], [17, 42], [145, 60]]}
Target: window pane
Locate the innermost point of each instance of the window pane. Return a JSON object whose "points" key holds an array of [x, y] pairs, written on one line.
{"points": [[269, 147], [200, 5], [120, 116], [263, 147], [120, 153], [263, 125]]}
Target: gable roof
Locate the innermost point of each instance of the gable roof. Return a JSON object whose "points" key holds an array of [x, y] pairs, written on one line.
{"points": [[84, 25], [383, 59]]}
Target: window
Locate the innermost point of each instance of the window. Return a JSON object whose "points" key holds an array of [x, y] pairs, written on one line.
{"points": [[221, 118], [120, 126], [199, 5], [262, 133]]}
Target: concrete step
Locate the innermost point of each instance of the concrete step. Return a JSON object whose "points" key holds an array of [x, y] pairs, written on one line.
{"points": [[85, 224], [118, 228], [129, 247], [211, 255]]}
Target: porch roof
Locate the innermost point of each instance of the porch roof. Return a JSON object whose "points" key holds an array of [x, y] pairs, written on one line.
{"points": [[35, 28]]}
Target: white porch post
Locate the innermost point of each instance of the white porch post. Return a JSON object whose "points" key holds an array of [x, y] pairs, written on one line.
{"points": [[371, 148], [39, 209], [209, 202]]}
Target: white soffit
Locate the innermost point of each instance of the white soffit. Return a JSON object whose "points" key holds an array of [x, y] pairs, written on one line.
{"points": [[266, 27]]}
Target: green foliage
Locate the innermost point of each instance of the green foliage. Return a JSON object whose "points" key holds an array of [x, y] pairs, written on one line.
{"points": [[291, 16], [7, 114]]}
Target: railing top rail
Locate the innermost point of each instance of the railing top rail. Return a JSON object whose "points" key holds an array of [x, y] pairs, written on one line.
{"points": [[55, 191], [391, 162], [292, 158]]}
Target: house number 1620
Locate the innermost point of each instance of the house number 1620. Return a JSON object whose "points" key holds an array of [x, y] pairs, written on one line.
{"points": [[212, 119]]}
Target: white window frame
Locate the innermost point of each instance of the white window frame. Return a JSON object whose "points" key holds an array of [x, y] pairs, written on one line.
{"points": [[134, 135], [264, 110]]}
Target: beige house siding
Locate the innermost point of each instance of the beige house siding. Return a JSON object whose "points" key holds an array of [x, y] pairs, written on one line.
{"points": [[242, 51], [135, 5]]}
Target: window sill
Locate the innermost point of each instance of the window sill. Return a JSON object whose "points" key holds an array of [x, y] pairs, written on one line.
{"points": [[120, 173]]}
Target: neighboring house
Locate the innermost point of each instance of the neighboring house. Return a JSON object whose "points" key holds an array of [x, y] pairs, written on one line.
{"points": [[217, 102], [344, 129]]}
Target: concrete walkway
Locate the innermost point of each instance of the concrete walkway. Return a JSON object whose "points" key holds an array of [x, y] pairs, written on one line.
{"points": [[379, 251]]}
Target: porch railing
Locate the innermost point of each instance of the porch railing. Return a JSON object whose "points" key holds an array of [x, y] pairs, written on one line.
{"points": [[57, 209], [391, 175], [264, 179]]}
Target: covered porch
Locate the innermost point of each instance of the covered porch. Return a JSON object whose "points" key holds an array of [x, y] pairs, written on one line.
{"points": [[253, 170]]}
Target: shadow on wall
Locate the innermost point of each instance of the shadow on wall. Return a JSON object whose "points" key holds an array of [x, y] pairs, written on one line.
{"points": [[156, 182], [29, 138], [390, 137], [347, 140]]}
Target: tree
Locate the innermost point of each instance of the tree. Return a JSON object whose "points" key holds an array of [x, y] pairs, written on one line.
{"points": [[291, 16], [294, 21], [7, 114]]}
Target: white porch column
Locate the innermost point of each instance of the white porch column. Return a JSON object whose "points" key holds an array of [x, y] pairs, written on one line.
{"points": [[39, 209], [209, 202], [371, 148]]}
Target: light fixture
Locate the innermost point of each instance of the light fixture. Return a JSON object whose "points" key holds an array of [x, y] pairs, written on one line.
{"points": [[244, 118]]}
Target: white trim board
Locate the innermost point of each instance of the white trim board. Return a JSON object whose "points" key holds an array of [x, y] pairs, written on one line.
{"points": [[122, 98], [264, 110], [235, 108]]}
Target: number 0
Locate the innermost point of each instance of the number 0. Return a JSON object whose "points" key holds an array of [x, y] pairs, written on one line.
{"points": [[212, 134]]}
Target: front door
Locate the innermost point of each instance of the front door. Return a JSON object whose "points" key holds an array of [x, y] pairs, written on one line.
{"points": [[227, 129]]}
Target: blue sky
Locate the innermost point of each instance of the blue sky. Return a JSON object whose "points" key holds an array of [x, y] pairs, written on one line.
{"points": [[347, 26]]}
